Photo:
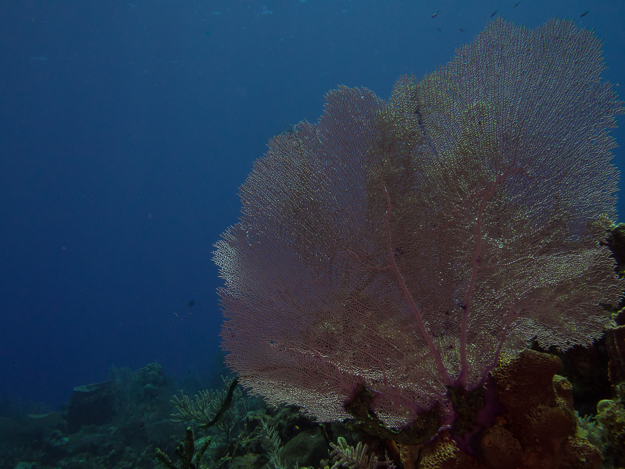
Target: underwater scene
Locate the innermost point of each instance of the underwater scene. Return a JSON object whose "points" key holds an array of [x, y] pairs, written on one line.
{"points": [[312, 234]]}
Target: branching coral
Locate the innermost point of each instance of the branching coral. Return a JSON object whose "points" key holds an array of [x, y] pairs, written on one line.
{"points": [[224, 408]]}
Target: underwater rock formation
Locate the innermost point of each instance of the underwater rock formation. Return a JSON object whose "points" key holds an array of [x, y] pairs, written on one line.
{"points": [[611, 420], [90, 404], [539, 425], [396, 250], [535, 428]]}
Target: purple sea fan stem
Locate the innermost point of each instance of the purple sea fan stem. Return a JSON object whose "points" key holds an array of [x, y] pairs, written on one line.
{"points": [[464, 363], [510, 317], [413, 306]]}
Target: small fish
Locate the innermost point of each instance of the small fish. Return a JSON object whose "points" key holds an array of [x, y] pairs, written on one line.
{"points": [[494, 13], [434, 15], [462, 30], [584, 14], [266, 12], [439, 29], [516, 5], [132, 5], [216, 12], [176, 315], [191, 303]]}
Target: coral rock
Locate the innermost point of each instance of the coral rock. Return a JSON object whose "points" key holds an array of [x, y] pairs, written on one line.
{"points": [[500, 448], [443, 453], [540, 418]]}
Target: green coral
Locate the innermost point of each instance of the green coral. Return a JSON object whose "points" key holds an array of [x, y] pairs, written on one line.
{"points": [[223, 408], [359, 457], [273, 444]]}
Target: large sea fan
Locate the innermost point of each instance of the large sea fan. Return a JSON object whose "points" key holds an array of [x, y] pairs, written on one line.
{"points": [[402, 247]]}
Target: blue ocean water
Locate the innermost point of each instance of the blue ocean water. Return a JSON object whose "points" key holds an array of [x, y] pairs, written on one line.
{"points": [[127, 128]]}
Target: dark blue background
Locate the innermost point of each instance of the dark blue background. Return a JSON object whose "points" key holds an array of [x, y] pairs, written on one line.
{"points": [[126, 129]]}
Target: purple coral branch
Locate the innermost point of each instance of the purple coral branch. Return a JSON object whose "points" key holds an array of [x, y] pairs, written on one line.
{"points": [[413, 306], [464, 363], [510, 317]]}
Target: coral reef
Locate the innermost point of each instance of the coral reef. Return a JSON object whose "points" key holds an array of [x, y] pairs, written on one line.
{"points": [[530, 424], [535, 428], [136, 406]]}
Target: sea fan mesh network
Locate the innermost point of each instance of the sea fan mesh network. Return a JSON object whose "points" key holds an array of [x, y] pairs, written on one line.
{"points": [[406, 245]]}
